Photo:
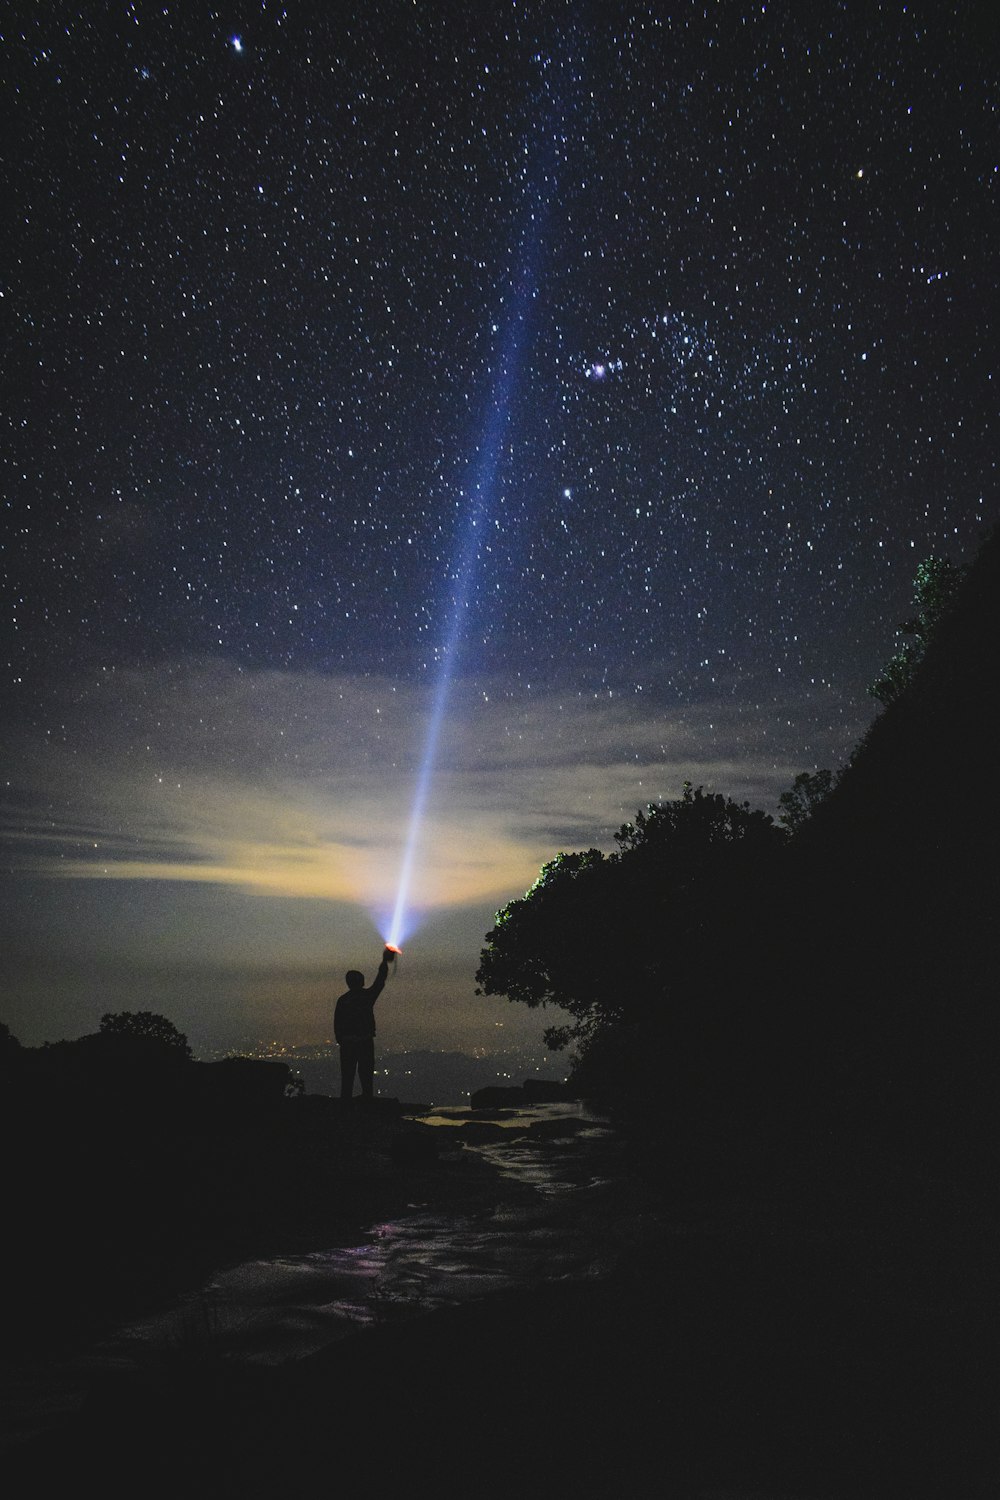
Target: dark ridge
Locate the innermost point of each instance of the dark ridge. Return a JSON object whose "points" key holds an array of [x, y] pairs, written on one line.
{"points": [[896, 892]]}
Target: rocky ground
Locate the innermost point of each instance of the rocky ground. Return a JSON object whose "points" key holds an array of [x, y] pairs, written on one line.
{"points": [[107, 1222], [827, 1332]]}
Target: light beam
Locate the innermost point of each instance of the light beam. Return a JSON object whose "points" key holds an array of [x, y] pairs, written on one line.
{"points": [[464, 574]]}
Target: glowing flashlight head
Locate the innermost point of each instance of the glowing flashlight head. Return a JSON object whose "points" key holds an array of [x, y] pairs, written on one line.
{"points": [[393, 950]]}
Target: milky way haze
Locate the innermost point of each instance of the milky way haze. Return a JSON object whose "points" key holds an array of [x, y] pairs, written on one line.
{"points": [[632, 356]]}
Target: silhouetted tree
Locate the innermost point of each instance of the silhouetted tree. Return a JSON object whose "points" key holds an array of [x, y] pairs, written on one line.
{"points": [[146, 1026], [614, 938], [934, 589], [538, 952], [807, 791]]}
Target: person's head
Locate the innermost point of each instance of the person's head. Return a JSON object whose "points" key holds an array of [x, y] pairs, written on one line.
{"points": [[355, 980]]}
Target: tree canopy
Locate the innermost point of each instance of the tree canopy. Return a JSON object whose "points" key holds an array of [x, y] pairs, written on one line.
{"points": [[609, 938], [935, 589], [146, 1026], [806, 793]]}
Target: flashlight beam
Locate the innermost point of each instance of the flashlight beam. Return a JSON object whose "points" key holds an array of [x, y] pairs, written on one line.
{"points": [[464, 574]]}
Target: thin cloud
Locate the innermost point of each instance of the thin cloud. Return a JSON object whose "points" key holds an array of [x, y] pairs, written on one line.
{"points": [[298, 785]]}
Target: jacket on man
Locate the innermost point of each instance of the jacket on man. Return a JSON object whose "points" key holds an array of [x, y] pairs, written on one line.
{"points": [[354, 1013]]}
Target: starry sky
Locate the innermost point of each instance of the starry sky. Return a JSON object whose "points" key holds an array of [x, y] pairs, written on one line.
{"points": [[569, 390]]}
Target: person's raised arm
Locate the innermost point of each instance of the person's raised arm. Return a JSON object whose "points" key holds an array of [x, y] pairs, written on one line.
{"points": [[383, 973]]}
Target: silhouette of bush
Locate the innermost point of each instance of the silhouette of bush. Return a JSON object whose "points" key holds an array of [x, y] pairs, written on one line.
{"points": [[146, 1027]]}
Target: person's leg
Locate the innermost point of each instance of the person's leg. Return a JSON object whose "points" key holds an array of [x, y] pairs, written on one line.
{"points": [[348, 1065], [366, 1067]]}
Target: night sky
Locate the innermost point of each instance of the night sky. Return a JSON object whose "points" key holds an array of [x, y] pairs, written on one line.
{"points": [[599, 373]]}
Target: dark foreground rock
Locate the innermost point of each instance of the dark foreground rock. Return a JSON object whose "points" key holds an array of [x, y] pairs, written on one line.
{"points": [[769, 1349], [531, 1091], [114, 1211], [825, 1329]]}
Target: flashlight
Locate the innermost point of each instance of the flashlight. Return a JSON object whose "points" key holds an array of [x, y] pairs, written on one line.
{"points": [[391, 948]]}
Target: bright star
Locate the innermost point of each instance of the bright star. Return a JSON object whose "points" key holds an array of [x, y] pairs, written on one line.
{"points": [[237, 43], [600, 370]]}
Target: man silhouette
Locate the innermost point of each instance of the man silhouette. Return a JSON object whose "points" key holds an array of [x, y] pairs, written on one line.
{"points": [[354, 1028]]}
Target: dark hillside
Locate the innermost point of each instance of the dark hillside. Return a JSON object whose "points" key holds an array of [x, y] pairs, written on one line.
{"points": [[896, 890]]}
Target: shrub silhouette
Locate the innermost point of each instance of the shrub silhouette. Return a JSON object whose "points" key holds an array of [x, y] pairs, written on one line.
{"points": [[147, 1027]]}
